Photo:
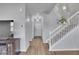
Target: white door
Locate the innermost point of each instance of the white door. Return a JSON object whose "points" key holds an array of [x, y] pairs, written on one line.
{"points": [[38, 27]]}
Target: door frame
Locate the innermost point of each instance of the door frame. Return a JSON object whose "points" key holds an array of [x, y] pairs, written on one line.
{"points": [[33, 24]]}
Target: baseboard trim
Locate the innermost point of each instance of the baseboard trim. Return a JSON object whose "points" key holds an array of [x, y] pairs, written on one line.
{"points": [[22, 52], [65, 50], [27, 46]]}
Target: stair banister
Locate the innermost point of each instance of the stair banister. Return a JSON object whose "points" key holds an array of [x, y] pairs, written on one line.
{"points": [[72, 16], [59, 28], [72, 24]]}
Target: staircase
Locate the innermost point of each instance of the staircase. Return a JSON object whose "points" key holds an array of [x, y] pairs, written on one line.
{"points": [[37, 47], [62, 30]]}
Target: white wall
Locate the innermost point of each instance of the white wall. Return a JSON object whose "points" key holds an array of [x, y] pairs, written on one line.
{"points": [[69, 42], [23, 29], [12, 12], [51, 19], [43, 9], [40, 7], [71, 8], [50, 23]]}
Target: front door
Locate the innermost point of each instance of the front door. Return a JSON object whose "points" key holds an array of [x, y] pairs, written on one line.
{"points": [[37, 28]]}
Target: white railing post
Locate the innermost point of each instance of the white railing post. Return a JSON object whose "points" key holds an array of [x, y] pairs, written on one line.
{"points": [[59, 30]]}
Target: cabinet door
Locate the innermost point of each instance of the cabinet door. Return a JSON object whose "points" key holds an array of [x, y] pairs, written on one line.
{"points": [[3, 50], [11, 47]]}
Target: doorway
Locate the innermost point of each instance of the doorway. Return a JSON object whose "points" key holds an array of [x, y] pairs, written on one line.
{"points": [[37, 26]]}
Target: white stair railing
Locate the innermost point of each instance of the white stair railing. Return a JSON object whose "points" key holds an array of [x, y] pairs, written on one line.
{"points": [[62, 30]]}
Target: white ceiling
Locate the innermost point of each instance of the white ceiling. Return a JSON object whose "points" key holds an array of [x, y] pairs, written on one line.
{"points": [[40, 7], [46, 8], [71, 8]]}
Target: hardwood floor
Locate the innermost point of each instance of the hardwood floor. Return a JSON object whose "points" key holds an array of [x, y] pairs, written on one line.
{"points": [[37, 47]]}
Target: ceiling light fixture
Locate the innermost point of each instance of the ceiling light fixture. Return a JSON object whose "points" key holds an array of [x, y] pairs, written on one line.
{"points": [[28, 20], [64, 7], [20, 10]]}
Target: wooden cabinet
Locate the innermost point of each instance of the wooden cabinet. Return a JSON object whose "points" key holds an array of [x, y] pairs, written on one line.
{"points": [[10, 46], [3, 48]]}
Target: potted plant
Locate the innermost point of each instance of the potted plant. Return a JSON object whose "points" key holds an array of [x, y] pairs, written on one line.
{"points": [[62, 20]]}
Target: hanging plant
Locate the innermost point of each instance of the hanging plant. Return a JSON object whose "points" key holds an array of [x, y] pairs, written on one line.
{"points": [[62, 20]]}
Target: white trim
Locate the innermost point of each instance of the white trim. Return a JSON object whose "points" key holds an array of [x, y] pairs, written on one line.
{"points": [[63, 37], [65, 49], [27, 46], [24, 50], [44, 41], [73, 16], [60, 30], [55, 29], [33, 23], [59, 27]]}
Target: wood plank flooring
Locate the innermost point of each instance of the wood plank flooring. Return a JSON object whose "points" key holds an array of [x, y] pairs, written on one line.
{"points": [[37, 47]]}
